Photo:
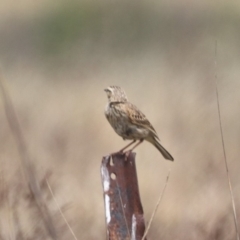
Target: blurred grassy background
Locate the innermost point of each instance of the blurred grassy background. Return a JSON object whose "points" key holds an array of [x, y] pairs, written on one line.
{"points": [[59, 56]]}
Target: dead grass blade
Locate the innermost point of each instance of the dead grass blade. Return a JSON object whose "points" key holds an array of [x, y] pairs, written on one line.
{"points": [[223, 146], [27, 166], [156, 207], [59, 209]]}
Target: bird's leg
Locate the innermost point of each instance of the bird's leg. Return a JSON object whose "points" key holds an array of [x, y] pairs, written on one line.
{"points": [[121, 151], [140, 141], [131, 143], [127, 153]]}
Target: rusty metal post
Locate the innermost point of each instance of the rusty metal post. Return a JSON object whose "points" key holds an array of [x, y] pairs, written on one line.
{"points": [[123, 208]]}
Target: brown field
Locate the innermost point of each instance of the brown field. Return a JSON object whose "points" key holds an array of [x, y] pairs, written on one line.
{"points": [[57, 59]]}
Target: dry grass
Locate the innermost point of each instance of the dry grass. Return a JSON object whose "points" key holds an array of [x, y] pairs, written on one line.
{"points": [[59, 101]]}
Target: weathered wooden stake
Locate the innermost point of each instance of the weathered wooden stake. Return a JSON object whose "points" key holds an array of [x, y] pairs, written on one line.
{"points": [[123, 208]]}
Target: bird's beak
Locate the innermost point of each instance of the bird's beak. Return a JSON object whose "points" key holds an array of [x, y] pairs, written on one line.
{"points": [[105, 89]]}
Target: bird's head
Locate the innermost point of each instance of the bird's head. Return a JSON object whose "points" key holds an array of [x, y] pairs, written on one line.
{"points": [[116, 94]]}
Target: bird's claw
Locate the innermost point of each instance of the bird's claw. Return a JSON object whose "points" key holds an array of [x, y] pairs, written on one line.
{"points": [[127, 154]]}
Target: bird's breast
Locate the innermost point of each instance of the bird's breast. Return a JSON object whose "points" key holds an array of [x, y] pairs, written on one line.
{"points": [[119, 120]]}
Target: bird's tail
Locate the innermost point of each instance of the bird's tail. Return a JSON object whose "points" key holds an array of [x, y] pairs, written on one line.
{"points": [[161, 149]]}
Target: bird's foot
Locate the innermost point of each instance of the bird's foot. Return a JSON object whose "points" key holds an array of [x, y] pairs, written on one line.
{"points": [[115, 153], [127, 154], [121, 152]]}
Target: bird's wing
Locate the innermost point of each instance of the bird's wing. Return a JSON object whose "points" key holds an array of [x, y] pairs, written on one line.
{"points": [[138, 118]]}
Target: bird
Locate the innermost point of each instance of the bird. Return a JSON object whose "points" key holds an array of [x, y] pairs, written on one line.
{"points": [[129, 122]]}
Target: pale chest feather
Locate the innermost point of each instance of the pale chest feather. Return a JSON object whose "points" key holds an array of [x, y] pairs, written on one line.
{"points": [[115, 115], [107, 110]]}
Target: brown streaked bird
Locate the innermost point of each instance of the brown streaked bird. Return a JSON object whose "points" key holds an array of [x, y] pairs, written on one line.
{"points": [[129, 122]]}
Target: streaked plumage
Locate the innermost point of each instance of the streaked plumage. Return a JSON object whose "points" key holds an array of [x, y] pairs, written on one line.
{"points": [[129, 122]]}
